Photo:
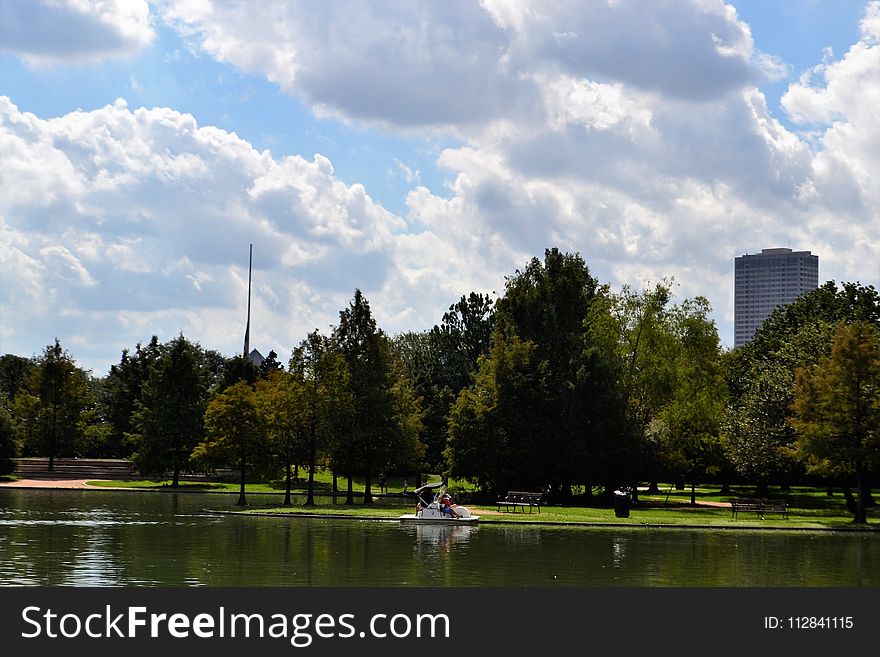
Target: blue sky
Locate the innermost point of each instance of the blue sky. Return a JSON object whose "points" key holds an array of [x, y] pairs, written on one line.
{"points": [[417, 151]]}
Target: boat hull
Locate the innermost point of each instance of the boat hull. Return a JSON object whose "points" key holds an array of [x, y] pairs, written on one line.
{"points": [[412, 517]]}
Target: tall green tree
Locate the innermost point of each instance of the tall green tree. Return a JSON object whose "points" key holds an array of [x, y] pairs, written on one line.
{"points": [[322, 372], [668, 366], [691, 420], [49, 407], [632, 329], [238, 368], [761, 376], [495, 435], [424, 361], [450, 355], [462, 336], [374, 435], [283, 405], [122, 390], [441, 362], [235, 433], [837, 408], [97, 439], [758, 434], [549, 305], [270, 364], [14, 371], [8, 446], [169, 417]]}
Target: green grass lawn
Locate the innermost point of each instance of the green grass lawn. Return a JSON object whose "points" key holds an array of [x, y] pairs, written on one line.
{"points": [[323, 484], [809, 507], [645, 514]]}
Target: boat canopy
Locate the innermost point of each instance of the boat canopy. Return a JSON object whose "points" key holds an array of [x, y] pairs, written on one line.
{"points": [[418, 491]]}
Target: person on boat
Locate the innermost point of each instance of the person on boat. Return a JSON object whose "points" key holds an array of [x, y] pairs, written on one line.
{"points": [[446, 505]]}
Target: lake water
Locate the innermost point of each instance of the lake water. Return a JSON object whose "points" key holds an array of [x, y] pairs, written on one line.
{"points": [[113, 538]]}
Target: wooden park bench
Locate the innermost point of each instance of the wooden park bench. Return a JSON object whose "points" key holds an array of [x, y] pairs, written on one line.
{"points": [[519, 499], [759, 507]]}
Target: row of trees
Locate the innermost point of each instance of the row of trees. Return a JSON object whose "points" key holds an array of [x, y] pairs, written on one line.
{"points": [[559, 385]]}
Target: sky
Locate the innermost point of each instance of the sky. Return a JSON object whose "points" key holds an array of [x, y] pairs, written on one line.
{"points": [[417, 151]]}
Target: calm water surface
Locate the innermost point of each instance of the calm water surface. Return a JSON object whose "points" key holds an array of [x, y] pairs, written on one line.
{"points": [[106, 538]]}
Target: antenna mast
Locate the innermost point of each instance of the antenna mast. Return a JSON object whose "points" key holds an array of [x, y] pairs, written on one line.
{"points": [[247, 329]]}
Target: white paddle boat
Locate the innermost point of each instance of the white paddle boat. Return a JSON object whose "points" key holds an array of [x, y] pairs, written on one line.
{"points": [[439, 509]]}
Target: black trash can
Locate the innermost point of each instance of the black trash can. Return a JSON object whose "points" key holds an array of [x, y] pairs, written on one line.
{"points": [[621, 504]]}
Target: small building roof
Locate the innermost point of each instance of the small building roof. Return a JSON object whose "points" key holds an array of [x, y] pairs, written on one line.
{"points": [[256, 357]]}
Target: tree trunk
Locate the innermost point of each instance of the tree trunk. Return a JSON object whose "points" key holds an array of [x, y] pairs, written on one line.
{"points": [[175, 477], [635, 493], [860, 516], [287, 482], [850, 499], [368, 492], [763, 489], [335, 483], [310, 498], [654, 488], [693, 494], [241, 499], [349, 494], [418, 479], [725, 488], [53, 440], [296, 472]]}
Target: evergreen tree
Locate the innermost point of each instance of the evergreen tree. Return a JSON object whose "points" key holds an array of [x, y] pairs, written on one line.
{"points": [[441, 362], [270, 364], [552, 304], [373, 439], [837, 408], [495, 435], [322, 372], [49, 407], [169, 415], [8, 446], [14, 371], [122, 390]]}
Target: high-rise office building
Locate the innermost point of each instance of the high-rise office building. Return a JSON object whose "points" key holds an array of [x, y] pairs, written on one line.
{"points": [[765, 280]]}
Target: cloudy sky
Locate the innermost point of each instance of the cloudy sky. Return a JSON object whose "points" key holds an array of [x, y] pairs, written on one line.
{"points": [[417, 151]]}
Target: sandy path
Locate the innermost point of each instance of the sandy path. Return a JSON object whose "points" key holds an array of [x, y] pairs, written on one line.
{"points": [[48, 483]]}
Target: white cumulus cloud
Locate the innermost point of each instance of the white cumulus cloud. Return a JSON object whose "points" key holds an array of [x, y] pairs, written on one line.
{"points": [[56, 31]]}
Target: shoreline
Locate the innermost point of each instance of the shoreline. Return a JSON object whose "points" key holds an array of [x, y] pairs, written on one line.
{"points": [[551, 523], [81, 484]]}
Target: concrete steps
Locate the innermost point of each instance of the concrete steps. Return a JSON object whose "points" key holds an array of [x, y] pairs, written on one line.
{"points": [[66, 468]]}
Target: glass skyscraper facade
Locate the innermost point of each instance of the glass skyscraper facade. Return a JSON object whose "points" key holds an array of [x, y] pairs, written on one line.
{"points": [[766, 280]]}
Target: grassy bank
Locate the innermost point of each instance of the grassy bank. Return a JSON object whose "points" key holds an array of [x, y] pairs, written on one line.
{"points": [[644, 514], [809, 508], [323, 485]]}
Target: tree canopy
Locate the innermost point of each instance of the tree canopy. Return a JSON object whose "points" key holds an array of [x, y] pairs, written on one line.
{"points": [[49, 406], [837, 408], [169, 416]]}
